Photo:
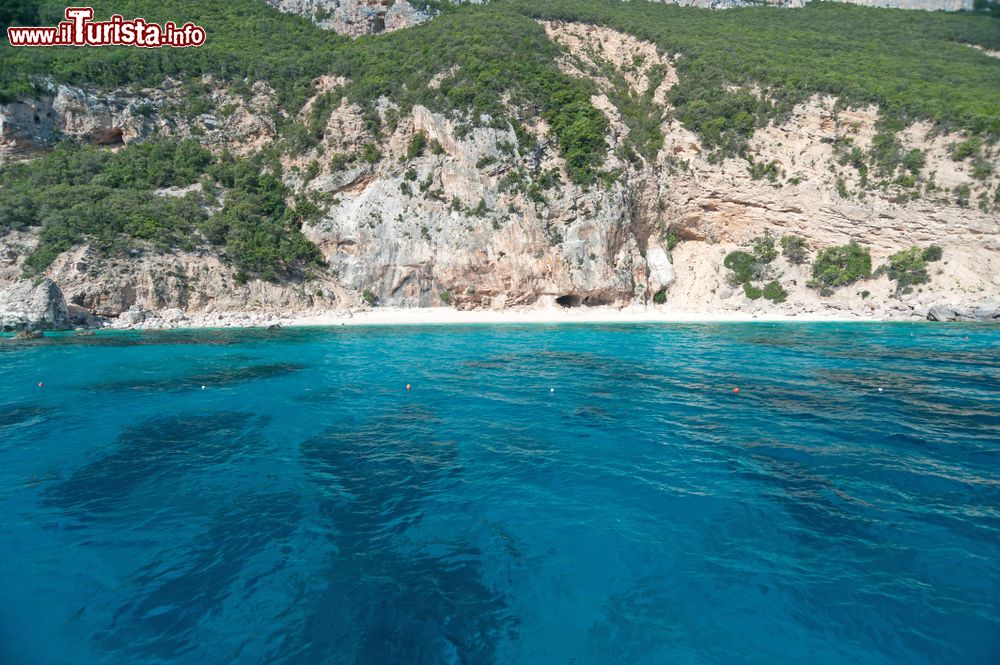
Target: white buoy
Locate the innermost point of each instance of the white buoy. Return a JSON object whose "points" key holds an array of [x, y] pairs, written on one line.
{"points": [[880, 390], [552, 390], [203, 387]]}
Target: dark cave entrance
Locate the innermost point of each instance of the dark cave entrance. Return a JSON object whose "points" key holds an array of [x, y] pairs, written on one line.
{"points": [[570, 300]]}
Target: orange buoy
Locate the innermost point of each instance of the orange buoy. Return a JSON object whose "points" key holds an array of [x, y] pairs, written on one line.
{"points": [[736, 391], [407, 386]]}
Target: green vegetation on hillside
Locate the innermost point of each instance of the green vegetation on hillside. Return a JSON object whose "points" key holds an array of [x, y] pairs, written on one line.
{"points": [[78, 194], [840, 266], [499, 68], [748, 267], [913, 64], [909, 268]]}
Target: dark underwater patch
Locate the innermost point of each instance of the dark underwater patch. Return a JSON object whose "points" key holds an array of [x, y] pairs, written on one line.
{"points": [[153, 451], [163, 623], [382, 605], [219, 377], [14, 415]]}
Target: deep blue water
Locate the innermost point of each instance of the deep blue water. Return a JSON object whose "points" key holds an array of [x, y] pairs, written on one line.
{"points": [[573, 494]]}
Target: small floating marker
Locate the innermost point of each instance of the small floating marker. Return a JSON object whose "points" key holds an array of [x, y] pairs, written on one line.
{"points": [[407, 386], [40, 384], [203, 387], [552, 390], [736, 391], [880, 390]]}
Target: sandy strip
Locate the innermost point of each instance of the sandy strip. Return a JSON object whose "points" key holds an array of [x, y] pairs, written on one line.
{"points": [[447, 315]]}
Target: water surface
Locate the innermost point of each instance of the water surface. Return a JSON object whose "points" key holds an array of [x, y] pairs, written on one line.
{"points": [[543, 494]]}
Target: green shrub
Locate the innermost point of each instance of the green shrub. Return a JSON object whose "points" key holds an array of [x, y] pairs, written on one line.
{"points": [[774, 292], [369, 297], [416, 146], [760, 170], [933, 253], [339, 160], [839, 266], [370, 153], [660, 297], [967, 148], [795, 249], [909, 267], [763, 249], [445, 297], [751, 291], [914, 161], [981, 168], [744, 266]]}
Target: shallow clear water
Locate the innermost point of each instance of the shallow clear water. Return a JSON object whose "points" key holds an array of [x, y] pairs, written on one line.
{"points": [[547, 494]]}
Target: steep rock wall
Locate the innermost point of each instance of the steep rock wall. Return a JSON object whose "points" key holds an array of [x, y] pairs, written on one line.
{"points": [[458, 223]]}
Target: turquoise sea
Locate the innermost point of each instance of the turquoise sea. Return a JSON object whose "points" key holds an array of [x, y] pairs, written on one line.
{"points": [[542, 494]]}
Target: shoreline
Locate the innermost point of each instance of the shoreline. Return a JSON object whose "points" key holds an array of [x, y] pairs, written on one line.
{"points": [[433, 316], [548, 316]]}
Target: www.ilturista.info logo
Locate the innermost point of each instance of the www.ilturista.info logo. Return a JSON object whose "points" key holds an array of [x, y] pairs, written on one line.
{"points": [[79, 30]]}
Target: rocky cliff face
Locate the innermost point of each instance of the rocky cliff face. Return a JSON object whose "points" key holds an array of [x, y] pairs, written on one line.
{"points": [[357, 18], [369, 17], [238, 122], [472, 218], [926, 5], [29, 305]]}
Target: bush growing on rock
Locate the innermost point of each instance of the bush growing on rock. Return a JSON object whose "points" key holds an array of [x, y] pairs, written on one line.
{"points": [[909, 267], [763, 249], [748, 267], [774, 292], [933, 253], [744, 266], [751, 291], [660, 297], [416, 146], [839, 266], [795, 249]]}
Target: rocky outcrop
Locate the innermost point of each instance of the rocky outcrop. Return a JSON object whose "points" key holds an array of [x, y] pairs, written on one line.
{"points": [[371, 17], [926, 5], [119, 117], [988, 310], [355, 17], [27, 305]]}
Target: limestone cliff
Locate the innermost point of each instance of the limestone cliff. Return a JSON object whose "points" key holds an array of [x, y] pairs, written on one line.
{"points": [[472, 218], [360, 17], [369, 17]]}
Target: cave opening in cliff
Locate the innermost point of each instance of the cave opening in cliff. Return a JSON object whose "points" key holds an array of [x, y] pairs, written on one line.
{"points": [[378, 24], [599, 299], [570, 300]]}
